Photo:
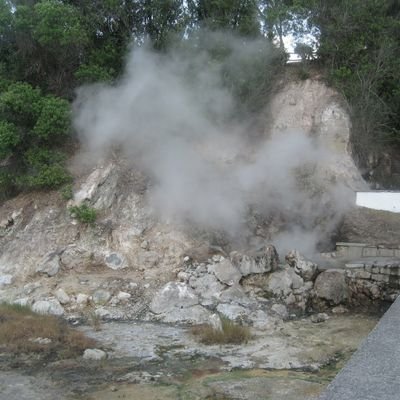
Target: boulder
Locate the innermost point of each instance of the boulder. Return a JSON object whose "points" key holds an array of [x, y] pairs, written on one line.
{"points": [[62, 296], [282, 283], [76, 257], [94, 354], [101, 296], [174, 295], [50, 264], [226, 272], [115, 260], [331, 286], [261, 261], [233, 312], [281, 310], [52, 307], [207, 287], [306, 269]]}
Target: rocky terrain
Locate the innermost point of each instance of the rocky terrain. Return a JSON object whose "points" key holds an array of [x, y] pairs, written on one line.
{"points": [[145, 279]]}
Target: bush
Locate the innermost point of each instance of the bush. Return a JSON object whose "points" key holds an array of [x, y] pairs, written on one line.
{"points": [[84, 213], [231, 333], [67, 192], [9, 138], [21, 104], [54, 119], [31, 125]]}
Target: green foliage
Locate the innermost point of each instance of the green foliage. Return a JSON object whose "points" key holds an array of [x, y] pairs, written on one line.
{"points": [[20, 103], [58, 24], [30, 127], [67, 192], [84, 213], [45, 177], [54, 119], [93, 73], [9, 138]]}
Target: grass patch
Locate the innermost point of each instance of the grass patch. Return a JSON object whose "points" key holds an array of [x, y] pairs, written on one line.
{"points": [[84, 213], [20, 329], [231, 333]]}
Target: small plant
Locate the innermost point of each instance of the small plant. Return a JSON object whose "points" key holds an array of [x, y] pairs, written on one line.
{"points": [[67, 192], [83, 213], [231, 333], [94, 320]]}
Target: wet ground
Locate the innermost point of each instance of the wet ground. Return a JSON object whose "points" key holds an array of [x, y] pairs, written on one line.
{"points": [[292, 360]]}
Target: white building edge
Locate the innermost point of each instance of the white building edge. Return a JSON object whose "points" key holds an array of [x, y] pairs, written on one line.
{"points": [[384, 200]]}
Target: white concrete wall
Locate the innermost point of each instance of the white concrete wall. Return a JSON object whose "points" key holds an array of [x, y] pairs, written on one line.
{"points": [[380, 200]]}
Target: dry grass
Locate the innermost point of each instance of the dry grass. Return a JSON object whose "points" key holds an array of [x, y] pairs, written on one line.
{"points": [[20, 326], [231, 333]]}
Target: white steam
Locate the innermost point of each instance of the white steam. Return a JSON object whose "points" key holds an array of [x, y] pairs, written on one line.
{"points": [[173, 117]]}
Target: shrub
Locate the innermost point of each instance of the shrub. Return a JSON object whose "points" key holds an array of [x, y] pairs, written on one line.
{"points": [[9, 138], [21, 103], [231, 333], [53, 120], [84, 213], [67, 192]]}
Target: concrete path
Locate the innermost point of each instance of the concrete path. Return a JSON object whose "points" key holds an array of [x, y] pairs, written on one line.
{"points": [[373, 373]]}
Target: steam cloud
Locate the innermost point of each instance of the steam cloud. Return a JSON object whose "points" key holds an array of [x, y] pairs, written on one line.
{"points": [[173, 117]]}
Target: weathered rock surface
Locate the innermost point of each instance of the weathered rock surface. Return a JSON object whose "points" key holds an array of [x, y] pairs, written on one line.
{"points": [[331, 286], [48, 307], [94, 354], [306, 269], [50, 264]]}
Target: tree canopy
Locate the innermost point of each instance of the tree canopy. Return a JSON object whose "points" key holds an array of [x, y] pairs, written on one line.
{"points": [[50, 47]]}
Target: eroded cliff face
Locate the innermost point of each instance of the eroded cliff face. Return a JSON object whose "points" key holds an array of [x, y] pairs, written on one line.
{"points": [[312, 107], [116, 265]]}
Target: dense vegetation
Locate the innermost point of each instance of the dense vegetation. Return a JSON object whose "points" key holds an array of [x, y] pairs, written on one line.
{"points": [[49, 47]]}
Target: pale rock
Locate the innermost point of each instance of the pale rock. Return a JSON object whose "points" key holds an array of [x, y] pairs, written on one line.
{"points": [[306, 269], [281, 310], [40, 340], [226, 272], [331, 285], [24, 301], [264, 260], [82, 299], [101, 296], [236, 295], [50, 264], [207, 287], [282, 283], [94, 354], [193, 315], [144, 245], [123, 296], [174, 295], [339, 310], [76, 257], [233, 312], [115, 260], [5, 280], [318, 318], [62, 296], [260, 320], [111, 315], [183, 276], [52, 307]]}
